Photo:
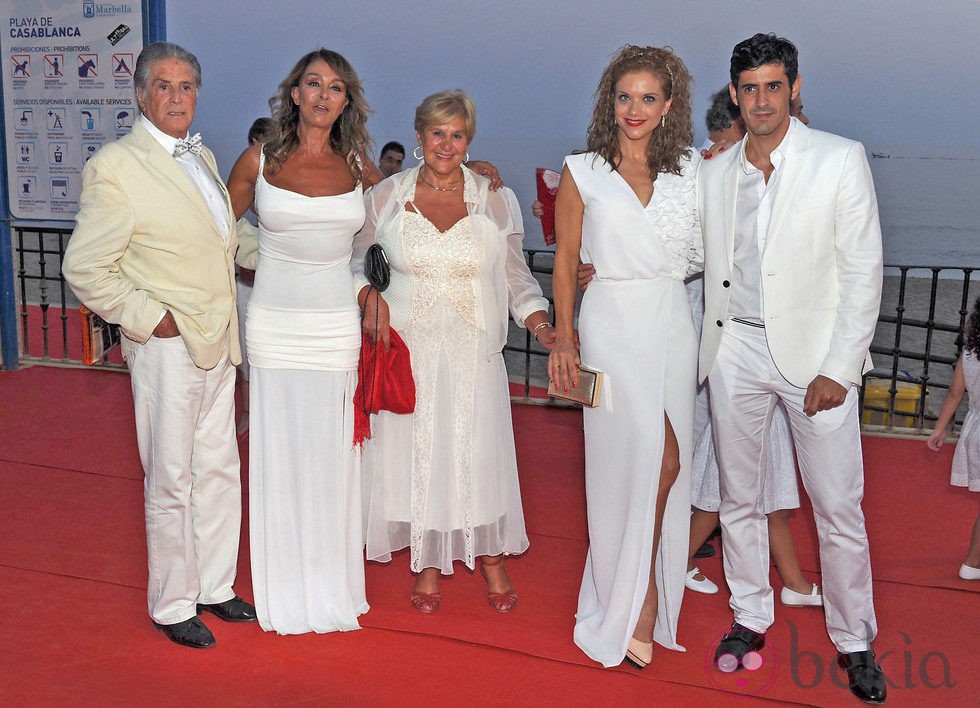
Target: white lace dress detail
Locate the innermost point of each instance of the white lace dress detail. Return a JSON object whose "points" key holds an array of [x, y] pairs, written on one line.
{"points": [[443, 480], [445, 314]]}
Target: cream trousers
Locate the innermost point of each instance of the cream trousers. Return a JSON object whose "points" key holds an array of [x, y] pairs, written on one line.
{"points": [[192, 486]]}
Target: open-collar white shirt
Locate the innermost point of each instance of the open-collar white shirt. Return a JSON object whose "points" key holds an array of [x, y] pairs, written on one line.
{"points": [[198, 173], [753, 214]]}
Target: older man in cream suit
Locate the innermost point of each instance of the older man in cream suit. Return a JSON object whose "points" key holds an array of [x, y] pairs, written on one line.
{"points": [[792, 289], [153, 250]]}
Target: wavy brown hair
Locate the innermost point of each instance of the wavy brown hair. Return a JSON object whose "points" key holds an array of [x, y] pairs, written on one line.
{"points": [[972, 341], [348, 137], [668, 143]]}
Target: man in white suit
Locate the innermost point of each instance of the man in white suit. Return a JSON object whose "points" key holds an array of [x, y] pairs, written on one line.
{"points": [[792, 290], [153, 250]]}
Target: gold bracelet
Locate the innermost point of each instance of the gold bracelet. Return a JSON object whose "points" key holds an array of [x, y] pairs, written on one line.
{"points": [[539, 326]]}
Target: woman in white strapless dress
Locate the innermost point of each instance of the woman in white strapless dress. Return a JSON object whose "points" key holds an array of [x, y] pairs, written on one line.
{"points": [[629, 207], [303, 331]]}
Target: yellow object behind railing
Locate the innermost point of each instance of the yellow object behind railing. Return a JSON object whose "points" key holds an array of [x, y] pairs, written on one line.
{"points": [[876, 393]]}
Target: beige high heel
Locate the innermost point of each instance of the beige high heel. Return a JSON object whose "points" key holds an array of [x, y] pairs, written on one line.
{"points": [[639, 654]]}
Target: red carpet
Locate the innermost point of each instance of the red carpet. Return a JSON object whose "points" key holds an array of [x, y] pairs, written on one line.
{"points": [[73, 574]]}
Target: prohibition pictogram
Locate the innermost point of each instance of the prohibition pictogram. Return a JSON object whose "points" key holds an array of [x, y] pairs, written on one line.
{"points": [[22, 65], [88, 66], [121, 64], [54, 66]]}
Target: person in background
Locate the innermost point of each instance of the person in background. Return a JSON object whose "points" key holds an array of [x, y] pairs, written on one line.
{"points": [[796, 110], [724, 125], [629, 206], [723, 121], [444, 479], [793, 266], [966, 458], [392, 157], [153, 250], [246, 260]]}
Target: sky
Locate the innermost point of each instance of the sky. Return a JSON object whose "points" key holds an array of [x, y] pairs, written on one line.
{"points": [[898, 75]]}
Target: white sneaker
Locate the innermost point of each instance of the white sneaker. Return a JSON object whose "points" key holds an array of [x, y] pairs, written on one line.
{"points": [[705, 585], [791, 598], [966, 572]]}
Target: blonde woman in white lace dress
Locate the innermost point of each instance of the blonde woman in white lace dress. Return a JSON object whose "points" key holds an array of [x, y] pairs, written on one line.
{"points": [[443, 480]]}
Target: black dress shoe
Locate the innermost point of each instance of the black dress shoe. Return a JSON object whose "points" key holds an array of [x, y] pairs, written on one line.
{"points": [[864, 676], [737, 643], [190, 633], [706, 551], [233, 610]]}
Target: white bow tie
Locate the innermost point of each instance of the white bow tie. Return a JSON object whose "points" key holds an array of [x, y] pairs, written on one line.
{"points": [[192, 144]]}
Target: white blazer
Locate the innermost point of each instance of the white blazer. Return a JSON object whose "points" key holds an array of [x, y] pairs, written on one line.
{"points": [[821, 264]]}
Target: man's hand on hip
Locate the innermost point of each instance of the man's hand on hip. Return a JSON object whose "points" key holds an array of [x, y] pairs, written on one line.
{"points": [[166, 328], [823, 394]]}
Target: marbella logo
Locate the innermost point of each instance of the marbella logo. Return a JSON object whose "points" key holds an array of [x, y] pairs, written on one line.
{"points": [[104, 9]]}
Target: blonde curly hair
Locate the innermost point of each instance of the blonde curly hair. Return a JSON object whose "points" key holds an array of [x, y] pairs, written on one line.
{"points": [[669, 143]]}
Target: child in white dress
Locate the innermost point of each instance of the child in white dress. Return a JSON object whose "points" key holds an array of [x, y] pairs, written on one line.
{"points": [[966, 459]]}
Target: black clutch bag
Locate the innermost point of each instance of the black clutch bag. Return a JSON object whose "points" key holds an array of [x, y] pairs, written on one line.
{"points": [[377, 270]]}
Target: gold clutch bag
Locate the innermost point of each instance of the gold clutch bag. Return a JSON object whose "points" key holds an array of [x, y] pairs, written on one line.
{"points": [[587, 392]]}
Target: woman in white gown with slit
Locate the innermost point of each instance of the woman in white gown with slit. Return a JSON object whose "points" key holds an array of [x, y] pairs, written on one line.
{"points": [[303, 341], [628, 206]]}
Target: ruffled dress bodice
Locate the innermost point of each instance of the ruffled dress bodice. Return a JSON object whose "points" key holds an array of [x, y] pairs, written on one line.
{"points": [[665, 234]]}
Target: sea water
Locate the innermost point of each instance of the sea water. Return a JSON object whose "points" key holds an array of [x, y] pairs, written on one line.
{"points": [[928, 205], [929, 211]]}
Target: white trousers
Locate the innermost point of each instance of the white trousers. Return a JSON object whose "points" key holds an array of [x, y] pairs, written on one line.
{"points": [[185, 427], [745, 385]]}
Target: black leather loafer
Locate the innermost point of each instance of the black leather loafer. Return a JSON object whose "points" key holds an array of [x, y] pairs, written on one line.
{"points": [[737, 643], [189, 633], [864, 675], [233, 610]]}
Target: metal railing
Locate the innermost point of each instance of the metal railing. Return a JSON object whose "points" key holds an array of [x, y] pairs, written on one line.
{"points": [[918, 340], [47, 310], [522, 352], [39, 256]]}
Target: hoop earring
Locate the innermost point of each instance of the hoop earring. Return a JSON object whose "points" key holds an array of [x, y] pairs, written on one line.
{"points": [[466, 158], [416, 152]]}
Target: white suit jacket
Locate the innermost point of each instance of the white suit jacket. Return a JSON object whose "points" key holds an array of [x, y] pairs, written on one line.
{"points": [[145, 241], [821, 264]]}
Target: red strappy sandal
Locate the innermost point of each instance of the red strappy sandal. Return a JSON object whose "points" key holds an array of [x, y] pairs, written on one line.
{"points": [[503, 602], [426, 602]]}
